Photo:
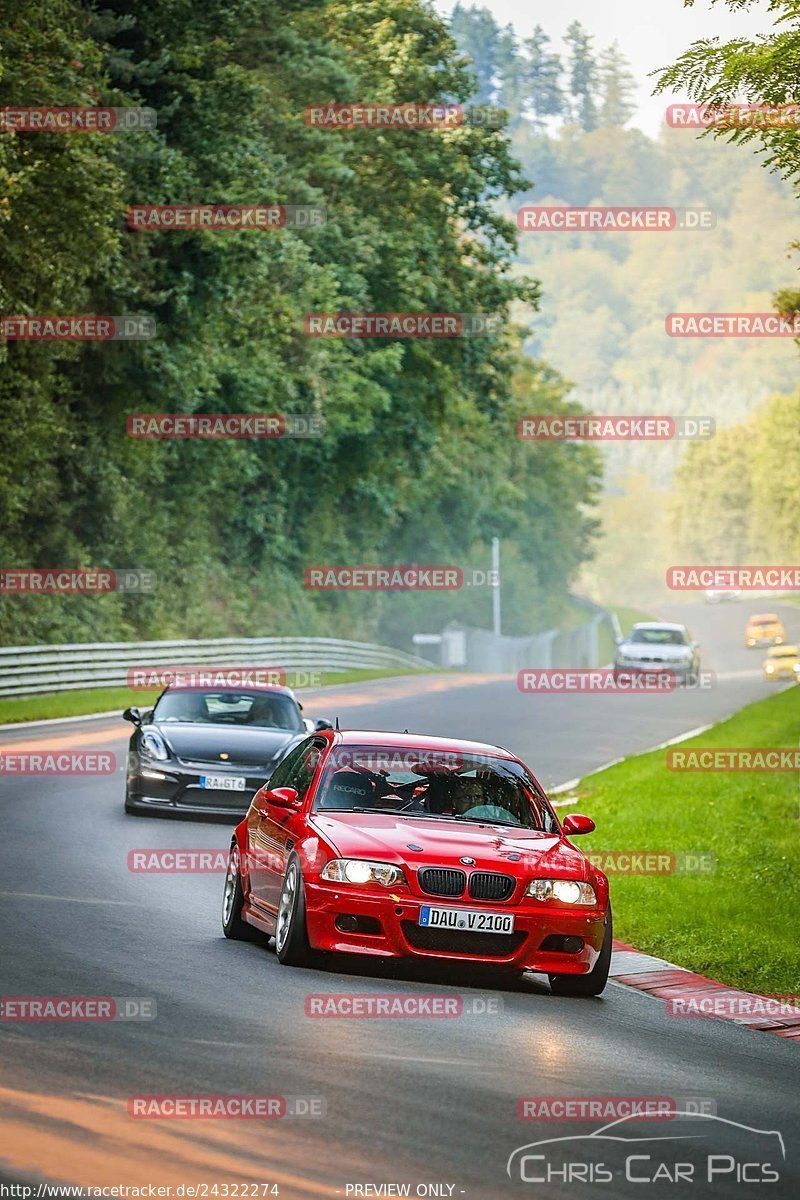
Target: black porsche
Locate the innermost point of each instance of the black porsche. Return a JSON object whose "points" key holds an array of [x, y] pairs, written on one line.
{"points": [[209, 750]]}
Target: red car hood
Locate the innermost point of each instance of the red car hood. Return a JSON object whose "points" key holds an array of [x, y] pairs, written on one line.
{"points": [[388, 838]]}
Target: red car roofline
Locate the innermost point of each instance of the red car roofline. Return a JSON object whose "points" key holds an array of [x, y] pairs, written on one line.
{"points": [[411, 741]]}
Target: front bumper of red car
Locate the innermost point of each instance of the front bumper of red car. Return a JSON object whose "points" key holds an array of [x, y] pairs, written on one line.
{"points": [[387, 925]]}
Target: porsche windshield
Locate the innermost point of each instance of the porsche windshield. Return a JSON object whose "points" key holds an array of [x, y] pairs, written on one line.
{"points": [[424, 783], [254, 709]]}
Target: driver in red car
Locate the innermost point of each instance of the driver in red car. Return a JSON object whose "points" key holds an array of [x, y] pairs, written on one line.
{"points": [[469, 801]]}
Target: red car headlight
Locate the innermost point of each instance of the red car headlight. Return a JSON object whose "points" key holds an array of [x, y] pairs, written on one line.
{"points": [[362, 870], [566, 891]]}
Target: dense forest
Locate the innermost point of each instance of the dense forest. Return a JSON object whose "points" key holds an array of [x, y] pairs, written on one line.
{"points": [[418, 462], [605, 296]]}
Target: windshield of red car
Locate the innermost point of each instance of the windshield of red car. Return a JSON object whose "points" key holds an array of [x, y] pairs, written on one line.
{"points": [[254, 709], [417, 783]]}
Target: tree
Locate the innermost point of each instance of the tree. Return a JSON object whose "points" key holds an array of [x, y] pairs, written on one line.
{"points": [[617, 88], [510, 70], [414, 462], [582, 72], [760, 72], [478, 36], [543, 94]]}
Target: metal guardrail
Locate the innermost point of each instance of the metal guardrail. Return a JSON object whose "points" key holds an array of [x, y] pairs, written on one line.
{"points": [[484, 651], [28, 670]]}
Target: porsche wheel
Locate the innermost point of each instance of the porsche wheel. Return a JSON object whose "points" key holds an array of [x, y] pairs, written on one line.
{"points": [[291, 935], [593, 983]]}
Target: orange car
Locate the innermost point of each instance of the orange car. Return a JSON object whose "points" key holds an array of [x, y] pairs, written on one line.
{"points": [[766, 629], [782, 662]]}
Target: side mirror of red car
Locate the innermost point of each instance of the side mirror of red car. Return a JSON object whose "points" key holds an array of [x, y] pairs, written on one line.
{"points": [[575, 824], [283, 797]]}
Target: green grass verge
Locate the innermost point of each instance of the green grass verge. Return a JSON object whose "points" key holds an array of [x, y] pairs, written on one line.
{"points": [[93, 700], [739, 924]]}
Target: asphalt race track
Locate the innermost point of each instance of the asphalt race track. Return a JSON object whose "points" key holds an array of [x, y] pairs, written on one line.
{"points": [[416, 1101]]}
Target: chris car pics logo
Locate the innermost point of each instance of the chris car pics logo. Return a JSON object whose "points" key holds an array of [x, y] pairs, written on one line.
{"points": [[622, 1156]]}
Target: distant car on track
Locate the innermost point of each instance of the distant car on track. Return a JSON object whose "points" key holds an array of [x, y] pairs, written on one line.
{"points": [[403, 846], [208, 750], [720, 595], [658, 647], [782, 662], [764, 629]]}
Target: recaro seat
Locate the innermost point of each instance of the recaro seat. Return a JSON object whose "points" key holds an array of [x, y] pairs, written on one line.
{"points": [[348, 789]]}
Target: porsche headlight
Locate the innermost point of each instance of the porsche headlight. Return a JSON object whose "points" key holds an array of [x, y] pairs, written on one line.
{"points": [[153, 745], [566, 891], [361, 870]]}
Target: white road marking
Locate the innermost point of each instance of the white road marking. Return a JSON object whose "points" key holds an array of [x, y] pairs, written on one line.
{"points": [[70, 899], [449, 1062], [573, 783]]}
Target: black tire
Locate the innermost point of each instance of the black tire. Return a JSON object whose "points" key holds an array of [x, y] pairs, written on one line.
{"points": [[233, 899], [291, 934], [593, 983]]}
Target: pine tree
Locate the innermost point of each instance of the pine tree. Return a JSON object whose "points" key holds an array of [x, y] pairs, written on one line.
{"points": [[543, 94], [582, 78], [477, 36], [617, 88]]}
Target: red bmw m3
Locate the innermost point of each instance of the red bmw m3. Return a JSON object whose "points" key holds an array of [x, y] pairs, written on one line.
{"points": [[398, 845]]}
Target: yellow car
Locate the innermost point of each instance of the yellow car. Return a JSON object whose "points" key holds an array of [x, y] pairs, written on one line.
{"points": [[764, 630], [782, 662]]}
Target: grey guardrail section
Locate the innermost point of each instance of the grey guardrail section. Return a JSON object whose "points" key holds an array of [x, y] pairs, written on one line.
{"points": [[27, 670]]}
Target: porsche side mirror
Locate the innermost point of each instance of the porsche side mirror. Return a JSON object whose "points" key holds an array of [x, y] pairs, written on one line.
{"points": [[323, 723], [133, 715], [575, 824], [283, 797]]}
